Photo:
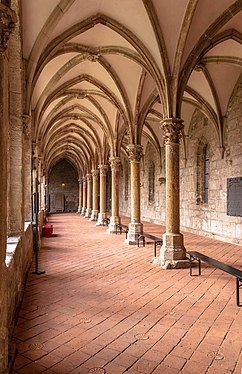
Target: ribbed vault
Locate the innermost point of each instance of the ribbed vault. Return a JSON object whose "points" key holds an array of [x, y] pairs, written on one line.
{"points": [[102, 74]]}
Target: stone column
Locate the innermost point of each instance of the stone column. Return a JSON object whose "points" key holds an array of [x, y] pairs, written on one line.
{"points": [[103, 195], [114, 219], [27, 164], [16, 136], [84, 196], [173, 253], [95, 175], [135, 153], [80, 196], [7, 19], [89, 196]]}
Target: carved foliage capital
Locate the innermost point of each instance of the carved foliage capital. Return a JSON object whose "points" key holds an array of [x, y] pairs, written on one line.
{"points": [[172, 128], [135, 152], [89, 177], [103, 169], [95, 173], [115, 163]]}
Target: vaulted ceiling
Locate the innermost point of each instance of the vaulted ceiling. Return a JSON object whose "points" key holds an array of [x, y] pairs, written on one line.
{"points": [[101, 74]]}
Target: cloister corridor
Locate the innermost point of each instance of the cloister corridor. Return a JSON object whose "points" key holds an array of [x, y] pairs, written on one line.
{"points": [[103, 307]]}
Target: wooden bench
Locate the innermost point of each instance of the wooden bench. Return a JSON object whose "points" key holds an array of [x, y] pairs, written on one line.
{"points": [[120, 228], [157, 241], [197, 256]]}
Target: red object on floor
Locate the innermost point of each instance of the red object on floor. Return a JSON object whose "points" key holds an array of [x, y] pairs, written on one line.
{"points": [[47, 230]]}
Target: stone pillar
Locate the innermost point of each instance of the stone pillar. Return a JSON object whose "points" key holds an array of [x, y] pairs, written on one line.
{"points": [[89, 196], [135, 153], [173, 253], [103, 195], [95, 175], [84, 196], [16, 180], [27, 165], [7, 19], [114, 219], [80, 196]]}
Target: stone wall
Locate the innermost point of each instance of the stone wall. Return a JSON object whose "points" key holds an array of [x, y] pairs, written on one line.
{"points": [[211, 219]]}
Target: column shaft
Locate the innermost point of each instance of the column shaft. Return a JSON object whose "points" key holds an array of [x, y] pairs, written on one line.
{"points": [[103, 195], [173, 253], [95, 175], [89, 196], [114, 219], [27, 165], [135, 153], [84, 196], [80, 196]]}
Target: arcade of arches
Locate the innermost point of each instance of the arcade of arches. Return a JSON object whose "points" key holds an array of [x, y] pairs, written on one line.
{"points": [[130, 107]]}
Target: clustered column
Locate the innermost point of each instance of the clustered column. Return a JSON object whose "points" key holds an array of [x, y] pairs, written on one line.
{"points": [[89, 196], [84, 196], [95, 175], [173, 253], [114, 219], [103, 195], [135, 153]]}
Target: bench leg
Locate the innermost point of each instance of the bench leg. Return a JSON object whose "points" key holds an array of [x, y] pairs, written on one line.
{"points": [[191, 260], [238, 286]]}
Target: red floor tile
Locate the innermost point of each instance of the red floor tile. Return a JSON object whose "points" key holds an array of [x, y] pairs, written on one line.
{"points": [[102, 303]]}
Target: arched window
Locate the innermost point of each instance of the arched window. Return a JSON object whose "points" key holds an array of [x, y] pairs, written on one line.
{"points": [[202, 173], [206, 174], [151, 182]]}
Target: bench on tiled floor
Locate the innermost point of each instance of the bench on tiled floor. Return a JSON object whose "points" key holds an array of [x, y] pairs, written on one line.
{"points": [[157, 241], [197, 256]]}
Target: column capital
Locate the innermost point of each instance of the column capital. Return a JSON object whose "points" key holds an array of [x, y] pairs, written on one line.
{"points": [[95, 173], [89, 177], [84, 179], [115, 163], [7, 23], [135, 152], [103, 169], [172, 128]]}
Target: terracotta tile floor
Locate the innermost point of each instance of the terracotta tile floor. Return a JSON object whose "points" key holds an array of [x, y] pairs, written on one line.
{"points": [[102, 304]]}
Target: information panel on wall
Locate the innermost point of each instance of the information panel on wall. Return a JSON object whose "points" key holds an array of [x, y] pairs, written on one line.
{"points": [[234, 196]]}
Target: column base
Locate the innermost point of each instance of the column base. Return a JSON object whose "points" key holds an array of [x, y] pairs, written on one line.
{"points": [[83, 211], [94, 215], [134, 230], [88, 213], [172, 253], [101, 219], [114, 221]]}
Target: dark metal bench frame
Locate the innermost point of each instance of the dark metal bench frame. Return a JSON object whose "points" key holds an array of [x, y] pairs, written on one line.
{"points": [[120, 228], [197, 256], [156, 239], [106, 221]]}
